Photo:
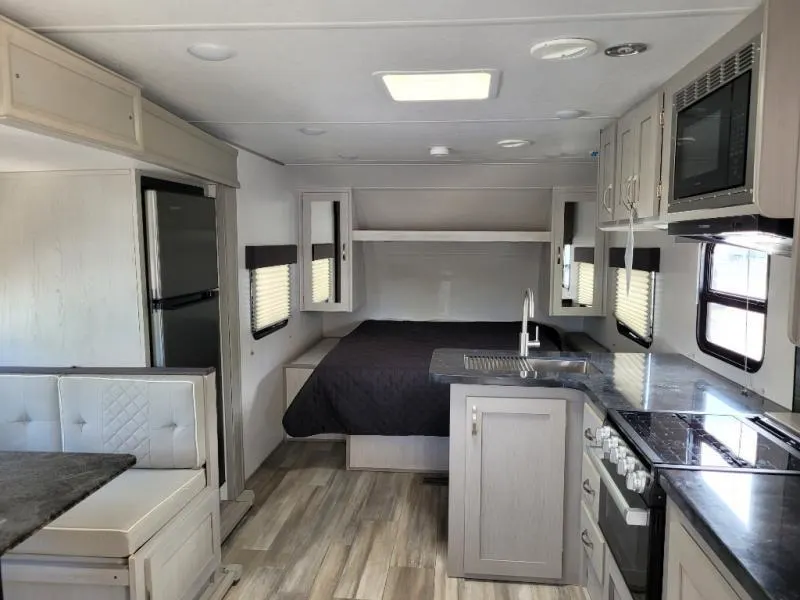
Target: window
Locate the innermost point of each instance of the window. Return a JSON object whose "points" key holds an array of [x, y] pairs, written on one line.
{"points": [[270, 297], [270, 287], [585, 284], [634, 311], [732, 305], [321, 280]]}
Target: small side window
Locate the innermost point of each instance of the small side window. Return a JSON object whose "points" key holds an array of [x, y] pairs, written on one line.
{"points": [[270, 287], [633, 309], [732, 305]]}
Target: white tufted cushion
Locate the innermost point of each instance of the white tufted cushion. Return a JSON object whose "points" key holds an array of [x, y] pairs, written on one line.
{"points": [[159, 422], [29, 413]]}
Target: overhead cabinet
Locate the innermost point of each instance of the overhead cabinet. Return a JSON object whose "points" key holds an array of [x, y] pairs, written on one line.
{"points": [[606, 173], [51, 89], [639, 169]]}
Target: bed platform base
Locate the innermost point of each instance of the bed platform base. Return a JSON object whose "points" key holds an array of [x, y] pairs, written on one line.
{"points": [[416, 454]]}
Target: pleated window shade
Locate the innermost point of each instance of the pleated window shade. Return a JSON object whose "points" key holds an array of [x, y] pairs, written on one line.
{"points": [[635, 309], [270, 297], [321, 280], [585, 284]]}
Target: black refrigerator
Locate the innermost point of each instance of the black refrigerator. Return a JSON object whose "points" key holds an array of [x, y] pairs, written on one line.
{"points": [[183, 281]]}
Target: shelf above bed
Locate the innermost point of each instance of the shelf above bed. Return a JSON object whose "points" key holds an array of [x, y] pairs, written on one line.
{"points": [[450, 236]]}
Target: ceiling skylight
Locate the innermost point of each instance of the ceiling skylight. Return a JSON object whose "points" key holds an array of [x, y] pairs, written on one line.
{"points": [[442, 86]]}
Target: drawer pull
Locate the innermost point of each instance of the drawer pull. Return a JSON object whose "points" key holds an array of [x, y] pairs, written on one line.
{"points": [[587, 540], [474, 420], [588, 488], [589, 434]]}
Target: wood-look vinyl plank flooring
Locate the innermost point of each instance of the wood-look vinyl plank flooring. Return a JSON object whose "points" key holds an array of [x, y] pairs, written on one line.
{"points": [[320, 532]]}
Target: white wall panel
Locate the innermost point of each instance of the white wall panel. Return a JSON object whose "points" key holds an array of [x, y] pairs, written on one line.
{"points": [[451, 282], [267, 214], [70, 270], [676, 318]]}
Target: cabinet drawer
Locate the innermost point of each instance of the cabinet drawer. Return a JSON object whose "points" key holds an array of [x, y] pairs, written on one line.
{"points": [[593, 542], [591, 421], [58, 90], [594, 584], [590, 486]]}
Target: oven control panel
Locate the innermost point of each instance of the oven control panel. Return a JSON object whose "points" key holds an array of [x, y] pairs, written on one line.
{"points": [[637, 478]]}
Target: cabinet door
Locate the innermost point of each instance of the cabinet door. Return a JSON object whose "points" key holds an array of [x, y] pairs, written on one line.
{"points": [[614, 587], [328, 255], [690, 575], [648, 128], [625, 170], [606, 191], [514, 505], [52, 88]]}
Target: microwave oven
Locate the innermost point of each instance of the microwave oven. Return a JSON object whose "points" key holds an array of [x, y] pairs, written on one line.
{"points": [[714, 134]]}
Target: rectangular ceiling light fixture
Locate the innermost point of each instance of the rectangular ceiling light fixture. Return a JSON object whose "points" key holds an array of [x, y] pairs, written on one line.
{"points": [[424, 86]]}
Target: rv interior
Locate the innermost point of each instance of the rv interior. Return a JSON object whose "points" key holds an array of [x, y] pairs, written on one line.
{"points": [[373, 301]]}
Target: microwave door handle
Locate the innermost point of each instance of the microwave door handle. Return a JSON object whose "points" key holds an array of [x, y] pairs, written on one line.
{"points": [[637, 517]]}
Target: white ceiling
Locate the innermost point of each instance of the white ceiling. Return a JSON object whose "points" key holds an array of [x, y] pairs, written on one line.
{"points": [[311, 62]]}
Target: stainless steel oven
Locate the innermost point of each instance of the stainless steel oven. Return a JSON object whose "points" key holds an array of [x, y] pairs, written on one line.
{"points": [[631, 517], [714, 134]]}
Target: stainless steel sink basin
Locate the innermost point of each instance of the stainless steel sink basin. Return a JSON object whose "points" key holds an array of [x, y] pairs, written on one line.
{"points": [[504, 363]]}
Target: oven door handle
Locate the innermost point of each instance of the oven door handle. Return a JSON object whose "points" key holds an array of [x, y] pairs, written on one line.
{"points": [[637, 517]]}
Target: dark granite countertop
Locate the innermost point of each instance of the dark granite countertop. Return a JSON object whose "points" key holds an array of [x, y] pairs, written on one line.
{"points": [[750, 521], [635, 381], [38, 487]]}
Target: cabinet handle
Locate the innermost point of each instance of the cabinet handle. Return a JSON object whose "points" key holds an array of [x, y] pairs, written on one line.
{"points": [[558, 255], [634, 192], [344, 252], [588, 434], [474, 420], [586, 539], [587, 487], [606, 196]]}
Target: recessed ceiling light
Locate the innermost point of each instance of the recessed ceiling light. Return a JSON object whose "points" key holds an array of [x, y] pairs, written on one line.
{"points": [[421, 86], [312, 131], [570, 113], [348, 156], [626, 49], [564, 49], [440, 151], [211, 52], [514, 143]]}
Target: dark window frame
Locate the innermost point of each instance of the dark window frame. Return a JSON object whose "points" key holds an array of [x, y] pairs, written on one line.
{"points": [[262, 333], [706, 295]]}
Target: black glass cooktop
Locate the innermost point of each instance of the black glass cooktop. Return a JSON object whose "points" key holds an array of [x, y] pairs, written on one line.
{"points": [[713, 441]]}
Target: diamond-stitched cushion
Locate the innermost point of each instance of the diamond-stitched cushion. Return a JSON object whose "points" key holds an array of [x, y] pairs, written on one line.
{"points": [[157, 421]]}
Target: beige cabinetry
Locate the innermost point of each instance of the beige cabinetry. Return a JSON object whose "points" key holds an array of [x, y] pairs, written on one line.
{"points": [[638, 162], [172, 142], [48, 88], [691, 571], [593, 570], [606, 174]]}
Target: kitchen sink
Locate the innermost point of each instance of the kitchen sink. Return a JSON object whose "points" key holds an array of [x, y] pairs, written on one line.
{"points": [[505, 363]]}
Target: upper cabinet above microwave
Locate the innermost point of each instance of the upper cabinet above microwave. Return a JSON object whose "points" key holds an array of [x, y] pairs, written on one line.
{"points": [[733, 118]]}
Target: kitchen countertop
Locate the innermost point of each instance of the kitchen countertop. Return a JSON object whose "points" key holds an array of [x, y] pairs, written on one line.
{"points": [[635, 381], [38, 487], [750, 521]]}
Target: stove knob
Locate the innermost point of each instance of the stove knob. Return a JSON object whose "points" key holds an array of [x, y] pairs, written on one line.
{"points": [[601, 435], [626, 465], [618, 454], [610, 443], [637, 481]]}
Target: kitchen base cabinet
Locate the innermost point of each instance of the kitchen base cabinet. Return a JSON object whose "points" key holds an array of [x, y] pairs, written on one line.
{"points": [[508, 464], [690, 572]]}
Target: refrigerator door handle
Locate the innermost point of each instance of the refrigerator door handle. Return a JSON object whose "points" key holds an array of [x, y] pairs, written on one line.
{"points": [[157, 337], [153, 243]]}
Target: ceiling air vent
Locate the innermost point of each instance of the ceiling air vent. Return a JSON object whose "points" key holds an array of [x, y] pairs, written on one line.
{"points": [[736, 64]]}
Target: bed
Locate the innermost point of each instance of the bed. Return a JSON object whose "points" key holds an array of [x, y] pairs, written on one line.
{"points": [[374, 384]]}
